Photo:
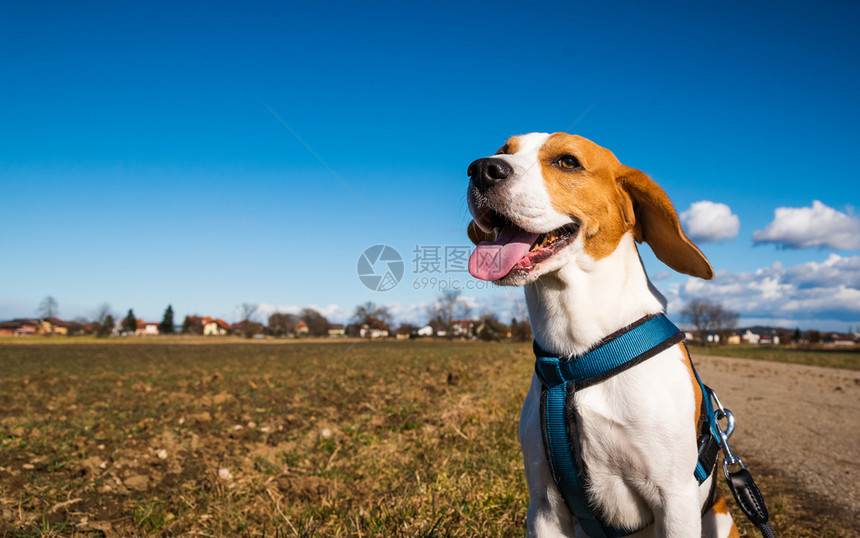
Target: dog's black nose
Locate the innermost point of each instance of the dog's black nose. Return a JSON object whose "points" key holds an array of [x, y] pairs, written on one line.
{"points": [[488, 171]]}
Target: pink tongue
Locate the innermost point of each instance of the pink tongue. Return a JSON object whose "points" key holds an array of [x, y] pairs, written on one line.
{"points": [[492, 260]]}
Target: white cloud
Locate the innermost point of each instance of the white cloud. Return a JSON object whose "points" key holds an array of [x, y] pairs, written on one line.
{"points": [[806, 227], [809, 291], [708, 222]]}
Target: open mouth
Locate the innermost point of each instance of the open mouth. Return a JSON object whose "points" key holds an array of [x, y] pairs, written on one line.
{"points": [[551, 240], [516, 250]]}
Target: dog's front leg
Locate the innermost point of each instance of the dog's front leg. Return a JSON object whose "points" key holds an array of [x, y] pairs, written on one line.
{"points": [[678, 515]]}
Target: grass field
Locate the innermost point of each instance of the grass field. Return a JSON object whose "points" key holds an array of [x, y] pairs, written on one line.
{"points": [[251, 439], [816, 356]]}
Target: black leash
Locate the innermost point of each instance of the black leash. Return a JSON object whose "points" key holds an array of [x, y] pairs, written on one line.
{"points": [[740, 482]]}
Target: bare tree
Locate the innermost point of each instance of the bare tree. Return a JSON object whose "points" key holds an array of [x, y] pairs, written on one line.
{"points": [[446, 309], [102, 313], [282, 324], [48, 308], [709, 317], [316, 322], [521, 329], [248, 311], [375, 317], [491, 327], [249, 327]]}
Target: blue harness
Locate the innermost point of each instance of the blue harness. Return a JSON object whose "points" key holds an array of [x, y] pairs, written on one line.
{"points": [[561, 378]]}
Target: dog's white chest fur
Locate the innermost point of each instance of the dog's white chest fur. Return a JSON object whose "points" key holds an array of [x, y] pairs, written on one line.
{"points": [[631, 447]]}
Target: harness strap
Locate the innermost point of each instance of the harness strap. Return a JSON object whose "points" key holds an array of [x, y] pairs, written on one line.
{"points": [[619, 351]]}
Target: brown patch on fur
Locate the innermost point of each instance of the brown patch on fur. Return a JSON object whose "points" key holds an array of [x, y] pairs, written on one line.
{"points": [[610, 199], [591, 195], [720, 507], [697, 390], [477, 235], [511, 146]]}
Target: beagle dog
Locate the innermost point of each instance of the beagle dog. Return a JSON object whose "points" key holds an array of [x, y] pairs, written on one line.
{"points": [[561, 217]]}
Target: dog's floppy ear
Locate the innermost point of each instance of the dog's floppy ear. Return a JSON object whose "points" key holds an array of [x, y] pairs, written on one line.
{"points": [[477, 235], [657, 224]]}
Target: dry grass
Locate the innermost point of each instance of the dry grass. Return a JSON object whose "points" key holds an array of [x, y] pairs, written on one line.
{"points": [[347, 438], [847, 357]]}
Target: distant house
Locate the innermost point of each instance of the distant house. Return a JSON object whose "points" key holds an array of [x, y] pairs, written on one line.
{"points": [[215, 327], [19, 327], [733, 338], [768, 337], [335, 330], [31, 326], [464, 327], [146, 328], [53, 326], [750, 337], [838, 339], [425, 331], [377, 330], [302, 329], [403, 333]]}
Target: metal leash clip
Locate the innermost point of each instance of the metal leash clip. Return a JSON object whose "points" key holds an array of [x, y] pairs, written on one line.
{"points": [[721, 413]]}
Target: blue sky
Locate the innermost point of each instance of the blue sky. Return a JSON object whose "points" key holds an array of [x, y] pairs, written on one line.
{"points": [[211, 154]]}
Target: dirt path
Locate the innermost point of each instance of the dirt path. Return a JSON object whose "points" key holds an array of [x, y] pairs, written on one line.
{"points": [[804, 421]]}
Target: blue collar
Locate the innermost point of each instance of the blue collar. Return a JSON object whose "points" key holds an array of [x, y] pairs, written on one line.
{"points": [[619, 351]]}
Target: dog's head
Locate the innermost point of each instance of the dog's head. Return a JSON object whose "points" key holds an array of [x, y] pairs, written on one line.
{"points": [[543, 201]]}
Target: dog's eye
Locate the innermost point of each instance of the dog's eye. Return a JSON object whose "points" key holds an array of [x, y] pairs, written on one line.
{"points": [[568, 162]]}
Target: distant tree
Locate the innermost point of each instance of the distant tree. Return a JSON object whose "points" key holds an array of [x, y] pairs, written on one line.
{"points": [[281, 324], [192, 325], [353, 330], [521, 328], [166, 325], [107, 326], [521, 331], [48, 308], [492, 328], [797, 336], [248, 311], [407, 328], [446, 309], [375, 317], [812, 336], [129, 323], [76, 326], [785, 336], [316, 322], [248, 326], [709, 317], [101, 313]]}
